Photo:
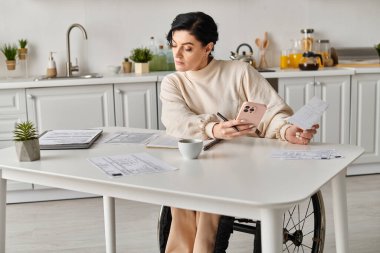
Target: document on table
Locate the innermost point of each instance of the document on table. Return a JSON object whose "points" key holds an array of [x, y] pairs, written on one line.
{"points": [[68, 139], [320, 154], [131, 164], [129, 137], [309, 114], [151, 140], [163, 141]]}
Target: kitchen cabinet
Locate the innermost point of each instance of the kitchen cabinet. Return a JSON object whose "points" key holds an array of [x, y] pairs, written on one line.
{"points": [[12, 110], [335, 90], [136, 105], [365, 116], [71, 107]]}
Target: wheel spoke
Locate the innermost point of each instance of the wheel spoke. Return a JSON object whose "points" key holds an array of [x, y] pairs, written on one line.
{"points": [[308, 233], [298, 207], [306, 246], [301, 221], [290, 216], [286, 248], [307, 210], [302, 249]]}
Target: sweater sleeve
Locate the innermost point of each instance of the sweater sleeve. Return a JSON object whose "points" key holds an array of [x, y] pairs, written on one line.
{"points": [[177, 117], [257, 89]]}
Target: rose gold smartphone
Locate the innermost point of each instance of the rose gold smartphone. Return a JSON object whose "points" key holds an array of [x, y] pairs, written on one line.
{"points": [[252, 112]]}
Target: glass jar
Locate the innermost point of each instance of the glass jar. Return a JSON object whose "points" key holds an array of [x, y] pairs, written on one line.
{"points": [[322, 47], [295, 54], [284, 59], [307, 40]]}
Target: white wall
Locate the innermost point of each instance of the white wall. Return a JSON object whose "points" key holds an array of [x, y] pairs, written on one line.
{"points": [[114, 27]]}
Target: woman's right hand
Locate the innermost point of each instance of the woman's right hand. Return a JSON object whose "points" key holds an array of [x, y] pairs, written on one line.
{"points": [[225, 130]]}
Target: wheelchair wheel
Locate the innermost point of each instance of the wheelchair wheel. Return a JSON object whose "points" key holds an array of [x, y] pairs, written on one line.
{"points": [[304, 228]]}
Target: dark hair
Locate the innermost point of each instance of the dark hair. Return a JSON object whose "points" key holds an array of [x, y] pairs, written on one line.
{"points": [[198, 24]]}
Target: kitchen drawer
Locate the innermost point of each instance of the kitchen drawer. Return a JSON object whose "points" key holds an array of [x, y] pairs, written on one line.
{"points": [[12, 102]]}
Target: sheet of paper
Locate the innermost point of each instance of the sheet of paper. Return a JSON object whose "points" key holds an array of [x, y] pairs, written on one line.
{"points": [[55, 137], [309, 114], [129, 137], [306, 154], [163, 141], [131, 164]]}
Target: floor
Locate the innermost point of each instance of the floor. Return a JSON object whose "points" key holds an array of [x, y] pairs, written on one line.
{"points": [[76, 226]]}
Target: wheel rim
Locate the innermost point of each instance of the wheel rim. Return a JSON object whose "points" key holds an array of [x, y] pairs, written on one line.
{"points": [[304, 226]]}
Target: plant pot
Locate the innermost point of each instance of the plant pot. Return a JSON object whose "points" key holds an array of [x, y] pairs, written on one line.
{"points": [[141, 68], [127, 67], [22, 53], [11, 65], [28, 150]]}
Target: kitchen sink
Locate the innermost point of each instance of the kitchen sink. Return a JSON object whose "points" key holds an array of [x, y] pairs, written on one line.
{"points": [[85, 76]]}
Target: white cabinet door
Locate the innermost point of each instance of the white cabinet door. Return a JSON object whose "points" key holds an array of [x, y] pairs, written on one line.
{"points": [[365, 116], [12, 110], [136, 105], [296, 91], [334, 125], [335, 90], [71, 107]]}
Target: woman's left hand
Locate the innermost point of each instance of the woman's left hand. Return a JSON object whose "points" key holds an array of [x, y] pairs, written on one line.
{"points": [[297, 135]]}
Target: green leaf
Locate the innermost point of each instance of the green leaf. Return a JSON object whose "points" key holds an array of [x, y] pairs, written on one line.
{"points": [[25, 131]]}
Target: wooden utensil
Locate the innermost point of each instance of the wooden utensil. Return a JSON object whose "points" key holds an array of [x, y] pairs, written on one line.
{"points": [[263, 46]]}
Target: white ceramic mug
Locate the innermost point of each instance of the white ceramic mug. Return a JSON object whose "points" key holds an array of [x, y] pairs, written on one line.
{"points": [[190, 148]]}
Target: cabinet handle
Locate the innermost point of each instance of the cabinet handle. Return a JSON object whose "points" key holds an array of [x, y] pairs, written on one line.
{"points": [[318, 83], [118, 91], [29, 96]]}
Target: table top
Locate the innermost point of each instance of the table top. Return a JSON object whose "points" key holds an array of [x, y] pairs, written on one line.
{"points": [[237, 172]]}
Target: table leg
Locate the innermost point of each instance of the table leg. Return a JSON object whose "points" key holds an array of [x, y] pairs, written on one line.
{"points": [[339, 195], [3, 202], [271, 230], [109, 223]]}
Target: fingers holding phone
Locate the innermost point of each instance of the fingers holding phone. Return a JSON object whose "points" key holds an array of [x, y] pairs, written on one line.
{"points": [[232, 128]]}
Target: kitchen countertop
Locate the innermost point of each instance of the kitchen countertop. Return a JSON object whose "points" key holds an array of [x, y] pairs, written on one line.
{"points": [[16, 83]]}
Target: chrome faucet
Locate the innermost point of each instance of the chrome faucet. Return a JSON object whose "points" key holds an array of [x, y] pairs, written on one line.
{"points": [[69, 67]]}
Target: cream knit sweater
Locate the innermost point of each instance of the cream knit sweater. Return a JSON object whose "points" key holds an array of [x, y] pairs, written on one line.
{"points": [[191, 99]]}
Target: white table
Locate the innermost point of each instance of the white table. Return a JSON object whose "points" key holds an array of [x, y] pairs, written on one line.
{"points": [[236, 178]]}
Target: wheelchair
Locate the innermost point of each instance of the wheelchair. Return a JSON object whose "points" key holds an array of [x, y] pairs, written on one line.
{"points": [[303, 228]]}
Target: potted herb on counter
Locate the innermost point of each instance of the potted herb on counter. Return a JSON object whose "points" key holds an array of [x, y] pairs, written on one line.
{"points": [[10, 53], [141, 56], [26, 141], [22, 51]]}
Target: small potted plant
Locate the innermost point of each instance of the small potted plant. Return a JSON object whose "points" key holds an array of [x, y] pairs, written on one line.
{"points": [[26, 141], [22, 51], [10, 53], [141, 56], [127, 65]]}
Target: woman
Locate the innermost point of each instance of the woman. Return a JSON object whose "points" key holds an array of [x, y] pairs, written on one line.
{"points": [[191, 97]]}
